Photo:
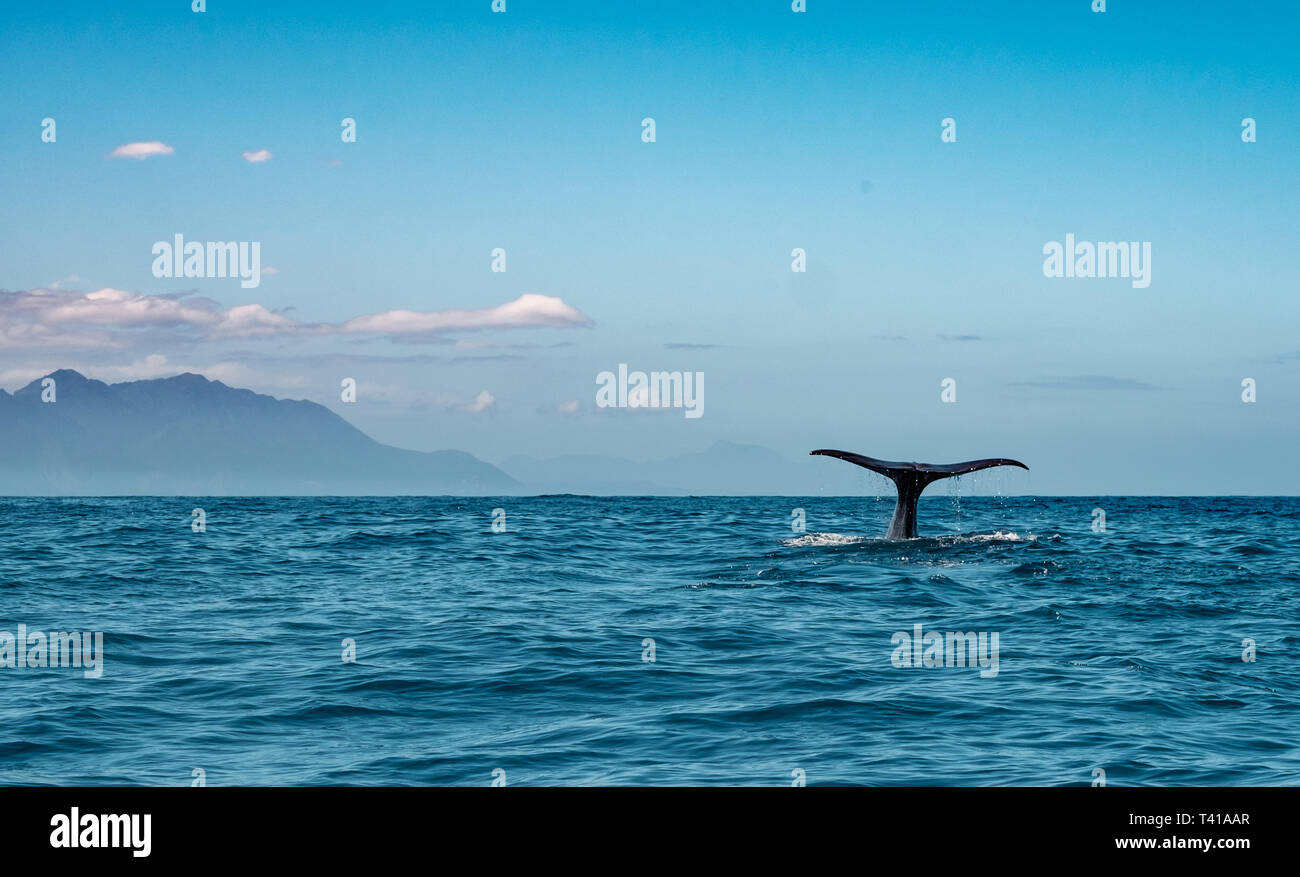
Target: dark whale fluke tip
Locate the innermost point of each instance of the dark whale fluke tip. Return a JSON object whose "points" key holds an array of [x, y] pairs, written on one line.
{"points": [[911, 479]]}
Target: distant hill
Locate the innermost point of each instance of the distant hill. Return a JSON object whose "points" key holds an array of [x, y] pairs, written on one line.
{"points": [[724, 469], [191, 436]]}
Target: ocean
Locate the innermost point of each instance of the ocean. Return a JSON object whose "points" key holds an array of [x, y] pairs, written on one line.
{"points": [[653, 641]]}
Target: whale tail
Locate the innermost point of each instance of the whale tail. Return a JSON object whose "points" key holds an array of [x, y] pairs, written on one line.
{"points": [[911, 479]]}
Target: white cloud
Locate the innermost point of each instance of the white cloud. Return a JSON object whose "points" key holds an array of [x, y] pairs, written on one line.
{"points": [[117, 307], [484, 401], [257, 156], [141, 149], [246, 320], [107, 318], [528, 310]]}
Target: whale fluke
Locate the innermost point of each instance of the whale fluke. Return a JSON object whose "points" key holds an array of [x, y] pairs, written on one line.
{"points": [[911, 479]]}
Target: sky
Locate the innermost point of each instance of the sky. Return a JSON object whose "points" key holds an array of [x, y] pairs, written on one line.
{"points": [[773, 130]]}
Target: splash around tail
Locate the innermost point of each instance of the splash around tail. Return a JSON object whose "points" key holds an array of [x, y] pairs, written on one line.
{"points": [[911, 479]]}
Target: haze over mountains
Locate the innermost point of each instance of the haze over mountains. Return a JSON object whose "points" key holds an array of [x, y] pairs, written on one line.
{"points": [[725, 468], [187, 435]]}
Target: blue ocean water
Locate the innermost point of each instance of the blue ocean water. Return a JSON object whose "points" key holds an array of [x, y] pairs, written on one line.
{"points": [[524, 652]]}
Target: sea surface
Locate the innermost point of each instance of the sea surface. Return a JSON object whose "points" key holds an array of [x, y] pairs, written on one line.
{"points": [[653, 641]]}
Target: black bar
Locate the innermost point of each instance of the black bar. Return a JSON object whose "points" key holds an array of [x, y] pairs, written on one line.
{"points": [[337, 825]]}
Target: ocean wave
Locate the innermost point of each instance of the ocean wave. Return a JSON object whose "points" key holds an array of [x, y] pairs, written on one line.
{"points": [[696, 640]]}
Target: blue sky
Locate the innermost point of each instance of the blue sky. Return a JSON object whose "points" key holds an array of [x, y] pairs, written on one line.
{"points": [[775, 130]]}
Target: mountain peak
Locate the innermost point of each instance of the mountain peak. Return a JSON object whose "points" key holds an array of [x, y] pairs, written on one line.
{"points": [[182, 381], [64, 378], [186, 434], [67, 375]]}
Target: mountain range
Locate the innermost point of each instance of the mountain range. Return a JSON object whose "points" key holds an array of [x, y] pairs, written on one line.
{"points": [[192, 436], [187, 435]]}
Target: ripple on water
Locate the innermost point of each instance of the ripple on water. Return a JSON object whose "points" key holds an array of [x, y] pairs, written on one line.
{"points": [[689, 640]]}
